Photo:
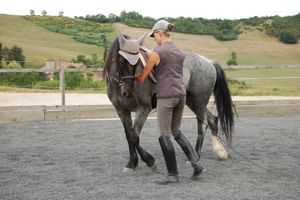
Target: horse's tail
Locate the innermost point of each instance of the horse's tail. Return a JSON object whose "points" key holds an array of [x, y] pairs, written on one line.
{"points": [[224, 103]]}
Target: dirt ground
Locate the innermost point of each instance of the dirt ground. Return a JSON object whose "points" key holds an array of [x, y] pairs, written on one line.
{"points": [[84, 160]]}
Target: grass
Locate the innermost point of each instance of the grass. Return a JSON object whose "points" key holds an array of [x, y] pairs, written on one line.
{"points": [[34, 90], [266, 85], [252, 48], [39, 44]]}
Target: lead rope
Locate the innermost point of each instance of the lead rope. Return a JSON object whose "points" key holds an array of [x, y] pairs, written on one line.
{"points": [[279, 174], [214, 110]]}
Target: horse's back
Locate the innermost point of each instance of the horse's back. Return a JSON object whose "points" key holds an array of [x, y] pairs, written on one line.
{"points": [[199, 75]]}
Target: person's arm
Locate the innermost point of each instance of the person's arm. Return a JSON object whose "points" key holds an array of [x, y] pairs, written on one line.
{"points": [[153, 60]]}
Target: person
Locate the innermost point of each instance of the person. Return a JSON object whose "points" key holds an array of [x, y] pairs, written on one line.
{"points": [[171, 92]]}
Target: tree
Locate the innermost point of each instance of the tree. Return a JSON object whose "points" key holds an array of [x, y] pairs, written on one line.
{"points": [[0, 55], [32, 12], [5, 54], [113, 18], [44, 12], [101, 18], [288, 38], [104, 40], [61, 14], [15, 54], [233, 55], [94, 58], [82, 59], [232, 61]]}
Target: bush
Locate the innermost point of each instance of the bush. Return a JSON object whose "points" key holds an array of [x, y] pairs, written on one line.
{"points": [[49, 85], [226, 36], [22, 79], [231, 62], [288, 38], [14, 65], [73, 79], [97, 85]]}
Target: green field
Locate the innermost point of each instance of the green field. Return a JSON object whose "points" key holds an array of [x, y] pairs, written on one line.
{"points": [[252, 48], [39, 44], [282, 81]]}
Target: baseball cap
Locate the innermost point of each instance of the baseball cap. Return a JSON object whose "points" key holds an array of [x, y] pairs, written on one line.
{"points": [[161, 25]]}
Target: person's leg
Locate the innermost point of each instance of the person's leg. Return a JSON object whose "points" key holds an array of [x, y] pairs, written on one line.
{"points": [[190, 153], [164, 112], [183, 142], [177, 113]]}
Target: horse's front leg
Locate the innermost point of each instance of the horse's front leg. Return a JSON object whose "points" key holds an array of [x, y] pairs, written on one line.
{"points": [[132, 139], [141, 117]]}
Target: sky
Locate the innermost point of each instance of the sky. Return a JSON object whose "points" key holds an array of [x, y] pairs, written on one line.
{"points": [[209, 9]]}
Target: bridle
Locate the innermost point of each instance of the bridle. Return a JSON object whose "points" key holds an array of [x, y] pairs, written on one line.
{"points": [[120, 80]]}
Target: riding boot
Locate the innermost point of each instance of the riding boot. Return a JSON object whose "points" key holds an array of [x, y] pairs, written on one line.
{"points": [[170, 159], [190, 154]]}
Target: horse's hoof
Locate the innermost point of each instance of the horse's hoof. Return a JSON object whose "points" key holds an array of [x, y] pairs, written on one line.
{"points": [[188, 163], [223, 155], [126, 170], [154, 167]]}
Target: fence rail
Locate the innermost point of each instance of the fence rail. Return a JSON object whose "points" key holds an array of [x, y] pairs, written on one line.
{"points": [[24, 70], [251, 108], [101, 68]]}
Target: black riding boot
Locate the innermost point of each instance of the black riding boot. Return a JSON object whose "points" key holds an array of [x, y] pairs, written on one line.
{"points": [[190, 154], [170, 159]]}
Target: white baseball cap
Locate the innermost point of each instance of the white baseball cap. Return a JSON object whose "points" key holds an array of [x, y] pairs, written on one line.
{"points": [[161, 25]]}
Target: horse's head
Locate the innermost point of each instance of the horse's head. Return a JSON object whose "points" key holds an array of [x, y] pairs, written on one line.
{"points": [[122, 62]]}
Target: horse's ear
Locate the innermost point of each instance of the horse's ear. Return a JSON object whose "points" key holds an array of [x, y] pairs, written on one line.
{"points": [[121, 38], [142, 38]]}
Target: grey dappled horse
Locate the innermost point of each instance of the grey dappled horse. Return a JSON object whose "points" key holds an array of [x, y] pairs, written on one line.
{"points": [[202, 78]]}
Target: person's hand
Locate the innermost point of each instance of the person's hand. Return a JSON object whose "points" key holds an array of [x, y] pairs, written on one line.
{"points": [[138, 78], [153, 60]]}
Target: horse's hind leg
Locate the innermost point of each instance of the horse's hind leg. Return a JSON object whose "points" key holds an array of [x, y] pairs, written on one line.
{"points": [[218, 148], [194, 104], [202, 127]]}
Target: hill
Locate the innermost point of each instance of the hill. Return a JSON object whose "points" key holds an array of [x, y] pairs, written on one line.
{"points": [[253, 47], [39, 44]]}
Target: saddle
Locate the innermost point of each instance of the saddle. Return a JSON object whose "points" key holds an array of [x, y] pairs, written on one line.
{"points": [[144, 55]]}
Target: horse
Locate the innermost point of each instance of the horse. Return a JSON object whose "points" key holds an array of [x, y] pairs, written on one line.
{"points": [[202, 78]]}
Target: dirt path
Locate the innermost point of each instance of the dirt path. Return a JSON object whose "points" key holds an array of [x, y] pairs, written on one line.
{"points": [[84, 160], [50, 99]]}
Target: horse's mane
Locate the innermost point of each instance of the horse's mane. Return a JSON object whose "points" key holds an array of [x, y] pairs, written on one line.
{"points": [[112, 51]]}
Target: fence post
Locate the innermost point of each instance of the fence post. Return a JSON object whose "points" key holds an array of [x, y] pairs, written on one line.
{"points": [[62, 82]]}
